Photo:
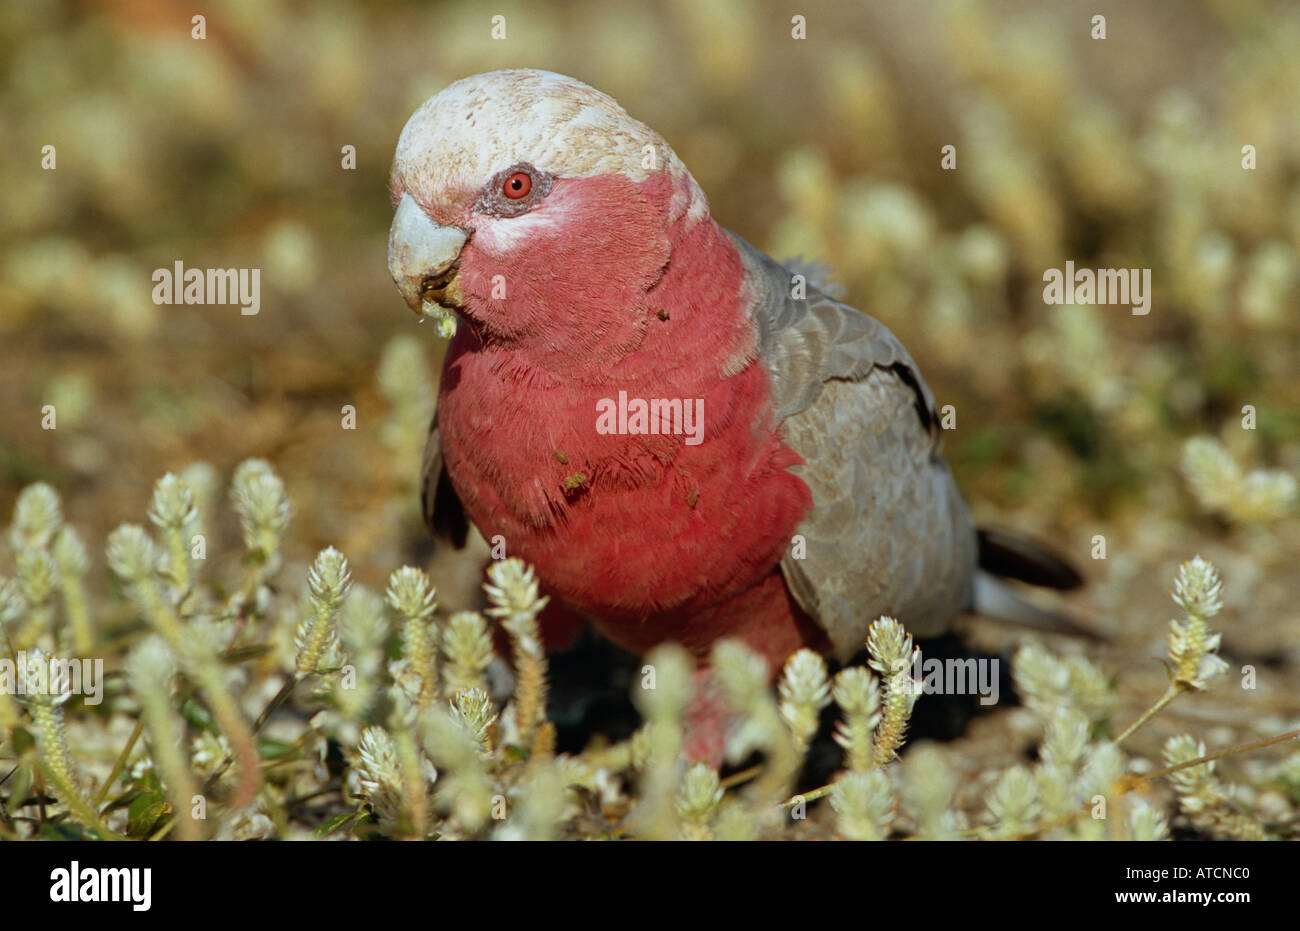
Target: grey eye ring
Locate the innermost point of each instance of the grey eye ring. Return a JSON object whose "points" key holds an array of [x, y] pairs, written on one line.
{"points": [[514, 191]]}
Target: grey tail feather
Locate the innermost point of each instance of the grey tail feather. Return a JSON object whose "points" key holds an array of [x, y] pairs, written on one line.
{"points": [[995, 599]]}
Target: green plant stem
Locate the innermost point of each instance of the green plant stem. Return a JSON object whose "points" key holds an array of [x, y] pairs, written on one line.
{"points": [[1211, 757], [812, 796], [121, 761], [1175, 689], [280, 698], [78, 613], [75, 804], [740, 778], [166, 828]]}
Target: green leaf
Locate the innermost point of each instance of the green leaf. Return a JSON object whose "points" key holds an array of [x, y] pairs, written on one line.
{"points": [[63, 830], [338, 822], [252, 651], [123, 800], [23, 741], [145, 813], [272, 749], [21, 786], [197, 715]]}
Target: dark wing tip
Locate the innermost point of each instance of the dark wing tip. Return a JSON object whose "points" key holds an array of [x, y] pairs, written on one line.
{"points": [[1013, 556], [446, 518], [443, 512]]}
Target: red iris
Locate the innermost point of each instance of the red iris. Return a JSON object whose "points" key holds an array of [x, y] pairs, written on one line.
{"points": [[517, 185]]}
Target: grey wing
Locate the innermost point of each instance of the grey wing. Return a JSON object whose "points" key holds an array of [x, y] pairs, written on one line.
{"points": [[888, 532], [443, 512]]}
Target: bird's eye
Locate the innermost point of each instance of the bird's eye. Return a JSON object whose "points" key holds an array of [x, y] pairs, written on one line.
{"points": [[517, 185], [513, 191]]}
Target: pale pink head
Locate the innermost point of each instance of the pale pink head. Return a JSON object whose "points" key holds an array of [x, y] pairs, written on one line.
{"points": [[536, 207]]}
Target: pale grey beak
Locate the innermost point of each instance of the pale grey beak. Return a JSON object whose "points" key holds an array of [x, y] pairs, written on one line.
{"points": [[423, 257]]}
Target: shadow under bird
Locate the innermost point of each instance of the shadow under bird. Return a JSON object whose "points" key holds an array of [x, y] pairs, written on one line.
{"points": [[583, 268]]}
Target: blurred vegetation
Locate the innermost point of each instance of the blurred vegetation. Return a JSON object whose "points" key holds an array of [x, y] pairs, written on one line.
{"points": [[384, 718], [1074, 422]]}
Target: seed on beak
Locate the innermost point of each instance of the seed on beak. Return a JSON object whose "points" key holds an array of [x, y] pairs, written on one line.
{"points": [[445, 318]]}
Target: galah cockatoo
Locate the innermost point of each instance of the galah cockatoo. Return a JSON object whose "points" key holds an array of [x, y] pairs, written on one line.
{"points": [[786, 487]]}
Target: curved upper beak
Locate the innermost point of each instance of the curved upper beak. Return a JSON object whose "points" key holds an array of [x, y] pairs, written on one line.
{"points": [[423, 257]]}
